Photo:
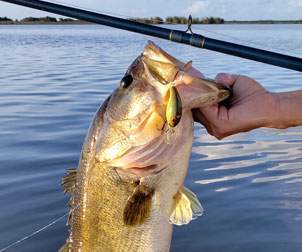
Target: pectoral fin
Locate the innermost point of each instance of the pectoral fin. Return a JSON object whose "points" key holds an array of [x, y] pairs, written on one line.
{"points": [[186, 207], [138, 207], [69, 180]]}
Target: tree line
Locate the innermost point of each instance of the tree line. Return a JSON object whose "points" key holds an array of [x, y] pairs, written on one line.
{"points": [[38, 20], [152, 20], [179, 20]]}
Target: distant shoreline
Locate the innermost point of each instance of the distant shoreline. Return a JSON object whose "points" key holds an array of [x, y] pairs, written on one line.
{"points": [[155, 21], [264, 22]]}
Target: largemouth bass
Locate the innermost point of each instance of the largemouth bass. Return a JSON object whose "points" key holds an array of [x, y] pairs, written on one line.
{"points": [[128, 189]]}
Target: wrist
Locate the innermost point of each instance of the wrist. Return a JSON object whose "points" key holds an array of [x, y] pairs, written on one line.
{"points": [[274, 112], [287, 112], [270, 111]]}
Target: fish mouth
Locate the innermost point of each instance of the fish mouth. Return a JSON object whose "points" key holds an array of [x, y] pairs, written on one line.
{"points": [[194, 90], [159, 64], [147, 155]]}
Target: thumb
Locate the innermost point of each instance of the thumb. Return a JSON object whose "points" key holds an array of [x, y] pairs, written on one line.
{"points": [[226, 79]]}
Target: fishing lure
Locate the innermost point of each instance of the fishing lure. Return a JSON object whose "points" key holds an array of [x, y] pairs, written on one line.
{"points": [[174, 107]]}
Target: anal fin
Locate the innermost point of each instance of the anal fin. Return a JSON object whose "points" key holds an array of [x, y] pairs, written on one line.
{"points": [[185, 207], [138, 206], [69, 180]]}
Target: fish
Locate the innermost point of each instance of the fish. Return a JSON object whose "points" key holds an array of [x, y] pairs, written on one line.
{"points": [[128, 189]]}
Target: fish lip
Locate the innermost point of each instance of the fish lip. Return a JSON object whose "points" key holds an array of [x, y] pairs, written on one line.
{"points": [[162, 81], [198, 91]]}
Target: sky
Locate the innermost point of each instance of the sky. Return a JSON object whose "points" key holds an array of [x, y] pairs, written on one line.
{"points": [[227, 9]]}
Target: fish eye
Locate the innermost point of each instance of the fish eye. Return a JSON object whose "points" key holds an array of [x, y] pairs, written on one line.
{"points": [[126, 81]]}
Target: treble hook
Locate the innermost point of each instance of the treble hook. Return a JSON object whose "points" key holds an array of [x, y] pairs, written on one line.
{"points": [[190, 21]]}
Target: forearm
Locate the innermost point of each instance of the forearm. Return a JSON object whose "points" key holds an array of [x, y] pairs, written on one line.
{"points": [[288, 111]]}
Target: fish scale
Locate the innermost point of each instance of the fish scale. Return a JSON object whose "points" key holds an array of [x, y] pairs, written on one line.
{"points": [[103, 224]]}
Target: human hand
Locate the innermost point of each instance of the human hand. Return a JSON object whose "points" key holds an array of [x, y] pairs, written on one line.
{"points": [[251, 106]]}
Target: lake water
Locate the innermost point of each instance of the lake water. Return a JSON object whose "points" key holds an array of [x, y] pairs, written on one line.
{"points": [[53, 79]]}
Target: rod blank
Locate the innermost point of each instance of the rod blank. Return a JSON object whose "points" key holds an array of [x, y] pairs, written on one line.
{"points": [[195, 40]]}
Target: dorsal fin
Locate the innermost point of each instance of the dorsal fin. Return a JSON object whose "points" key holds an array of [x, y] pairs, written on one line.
{"points": [[138, 207], [69, 180]]}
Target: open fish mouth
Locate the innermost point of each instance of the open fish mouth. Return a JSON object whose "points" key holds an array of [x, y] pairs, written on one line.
{"points": [[194, 90]]}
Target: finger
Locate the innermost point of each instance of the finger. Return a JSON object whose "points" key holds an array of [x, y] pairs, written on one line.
{"points": [[205, 117], [208, 115], [200, 118], [210, 112], [216, 120], [226, 79]]}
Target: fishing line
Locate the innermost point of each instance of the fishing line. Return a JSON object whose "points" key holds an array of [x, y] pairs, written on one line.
{"points": [[34, 233], [38, 230]]}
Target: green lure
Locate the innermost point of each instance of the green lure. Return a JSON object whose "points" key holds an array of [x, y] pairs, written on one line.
{"points": [[174, 108]]}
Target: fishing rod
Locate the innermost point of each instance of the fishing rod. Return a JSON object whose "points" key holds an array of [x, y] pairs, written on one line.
{"points": [[196, 40]]}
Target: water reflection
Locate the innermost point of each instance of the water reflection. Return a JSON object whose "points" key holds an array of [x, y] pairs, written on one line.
{"points": [[262, 161]]}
